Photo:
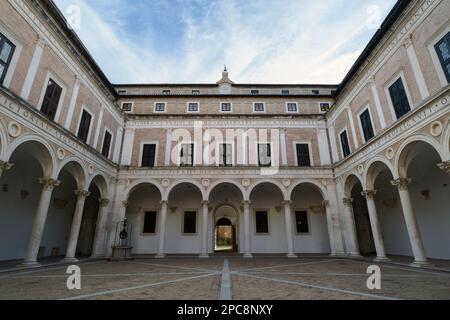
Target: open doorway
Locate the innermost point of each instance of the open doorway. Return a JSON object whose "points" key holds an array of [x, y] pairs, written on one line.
{"points": [[225, 232]]}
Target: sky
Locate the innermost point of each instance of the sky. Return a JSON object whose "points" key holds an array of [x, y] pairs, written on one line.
{"points": [[260, 41]]}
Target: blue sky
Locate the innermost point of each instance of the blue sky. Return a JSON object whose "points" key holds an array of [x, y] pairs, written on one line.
{"points": [[260, 41]]}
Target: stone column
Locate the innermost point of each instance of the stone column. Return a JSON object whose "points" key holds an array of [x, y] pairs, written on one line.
{"points": [[352, 246], [375, 225], [326, 204], [162, 228], [76, 225], [444, 166], [247, 250], [4, 166], [415, 238], [288, 222], [39, 222], [100, 229], [205, 214]]}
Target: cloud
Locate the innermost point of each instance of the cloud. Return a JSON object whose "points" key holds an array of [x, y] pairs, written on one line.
{"points": [[264, 41]]}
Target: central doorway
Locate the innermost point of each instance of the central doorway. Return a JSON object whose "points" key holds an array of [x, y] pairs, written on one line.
{"points": [[225, 239]]}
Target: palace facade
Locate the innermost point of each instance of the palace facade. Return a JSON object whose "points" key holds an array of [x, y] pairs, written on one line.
{"points": [[357, 168]]}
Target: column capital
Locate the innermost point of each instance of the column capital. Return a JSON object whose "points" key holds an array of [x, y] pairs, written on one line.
{"points": [[347, 202], [246, 202], [369, 194], [444, 166], [103, 202], [401, 183], [286, 203], [326, 203], [164, 202], [205, 203], [5, 165], [408, 41], [48, 183], [41, 41], [125, 203], [82, 194]]}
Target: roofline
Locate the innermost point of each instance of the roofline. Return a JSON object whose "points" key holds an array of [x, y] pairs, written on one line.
{"points": [[214, 85], [224, 96]]}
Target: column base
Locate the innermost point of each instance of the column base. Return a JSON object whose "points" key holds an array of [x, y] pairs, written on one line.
{"points": [[292, 256], [69, 260], [355, 255], [421, 264], [204, 256], [248, 255], [160, 256], [338, 254], [31, 264], [382, 259]]}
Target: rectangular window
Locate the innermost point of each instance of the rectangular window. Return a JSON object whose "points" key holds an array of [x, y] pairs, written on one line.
{"points": [[148, 155], [315, 92], [160, 107], [324, 106], [127, 106], [366, 124], [166, 91], [255, 92], [259, 107], [262, 222], [190, 222], [344, 143], [85, 125], [285, 92], [225, 107], [443, 52], [303, 157], [6, 53], [187, 155], [106, 144], [399, 98], [264, 155], [225, 155], [149, 222], [122, 92], [51, 99], [301, 222], [292, 107], [193, 107], [195, 91]]}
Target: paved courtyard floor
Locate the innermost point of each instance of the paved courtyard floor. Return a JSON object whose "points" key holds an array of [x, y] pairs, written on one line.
{"points": [[225, 278]]}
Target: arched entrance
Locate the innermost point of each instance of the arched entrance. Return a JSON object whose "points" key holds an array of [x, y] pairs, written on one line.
{"points": [[225, 230]]}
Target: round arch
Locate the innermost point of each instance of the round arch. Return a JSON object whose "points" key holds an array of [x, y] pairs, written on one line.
{"points": [[75, 167], [446, 142], [402, 158], [350, 181], [372, 170], [44, 153], [210, 189], [313, 183], [138, 183], [187, 181], [268, 181], [3, 141], [100, 180]]}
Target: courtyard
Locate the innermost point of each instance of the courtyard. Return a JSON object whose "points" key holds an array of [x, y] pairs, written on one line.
{"points": [[227, 278]]}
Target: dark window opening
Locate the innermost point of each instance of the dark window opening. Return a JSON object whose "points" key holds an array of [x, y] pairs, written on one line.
{"points": [[259, 107], [166, 91], [190, 222], [193, 107], [51, 99], [127, 106], [225, 155], [187, 155], [285, 92], [366, 125], [303, 156], [262, 222], [226, 107], [85, 124], [443, 51], [292, 107], [6, 53], [160, 107], [195, 91], [399, 99], [264, 155], [255, 92], [148, 155], [315, 92], [345, 145], [324, 107], [149, 222], [301, 222], [106, 144]]}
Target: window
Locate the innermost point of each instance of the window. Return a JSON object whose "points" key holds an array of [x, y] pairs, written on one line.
{"points": [[225, 107], [106, 144], [149, 222], [366, 125], [303, 156], [187, 155], [264, 155], [6, 53], [315, 92], [127, 106], [399, 98], [259, 107], [344, 143], [51, 99], [193, 107], [148, 155], [292, 107], [190, 222], [324, 106], [166, 92], [225, 155], [255, 92], [262, 222], [443, 52], [122, 91], [195, 91], [301, 222], [285, 92], [85, 125], [333, 92], [160, 107]]}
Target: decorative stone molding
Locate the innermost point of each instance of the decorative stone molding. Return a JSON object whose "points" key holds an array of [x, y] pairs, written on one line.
{"points": [[4, 166], [286, 182], [436, 128], [61, 153], [445, 166], [246, 203], [408, 41], [165, 183], [91, 169], [82, 194], [347, 202], [390, 153], [206, 182], [205, 203], [14, 129], [369, 194], [103, 202], [286, 203], [125, 204], [246, 182], [49, 184], [361, 169], [164, 202], [402, 183], [326, 203]]}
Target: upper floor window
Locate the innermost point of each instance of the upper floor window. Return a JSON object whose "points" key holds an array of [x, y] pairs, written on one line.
{"points": [[160, 107], [259, 107], [106, 144], [127, 106], [303, 155], [315, 92], [291, 107], [187, 155], [399, 98], [149, 222], [6, 52], [285, 92], [51, 99], [193, 106], [443, 52], [255, 92], [301, 222], [225, 155], [195, 91], [324, 106], [225, 107], [344, 143], [148, 155], [264, 155], [85, 126], [166, 92], [190, 222], [262, 222], [122, 92], [366, 125]]}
